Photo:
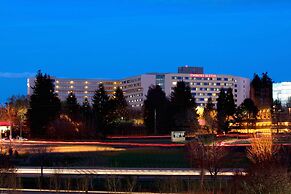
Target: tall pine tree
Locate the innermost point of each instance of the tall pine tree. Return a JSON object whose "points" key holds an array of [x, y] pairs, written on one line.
{"points": [[44, 105], [101, 109], [156, 111], [72, 108], [184, 108], [225, 109], [119, 105]]}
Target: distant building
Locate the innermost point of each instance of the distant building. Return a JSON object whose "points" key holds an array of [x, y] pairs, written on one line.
{"points": [[282, 91], [203, 86], [5, 128]]}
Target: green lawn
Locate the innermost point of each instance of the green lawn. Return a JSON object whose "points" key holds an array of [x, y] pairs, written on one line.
{"points": [[137, 157]]}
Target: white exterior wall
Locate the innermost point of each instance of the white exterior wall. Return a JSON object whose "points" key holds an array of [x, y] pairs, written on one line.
{"points": [[132, 89], [243, 89], [135, 88], [282, 91], [147, 81], [204, 86]]}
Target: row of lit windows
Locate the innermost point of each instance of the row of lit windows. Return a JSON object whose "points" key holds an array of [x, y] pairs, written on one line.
{"points": [[207, 84], [132, 85], [86, 82], [133, 95], [80, 88], [206, 89], [202, 78], [133, 90], [204, 94], [136, 100], [206, 100], [137, 105], [131, 80]]}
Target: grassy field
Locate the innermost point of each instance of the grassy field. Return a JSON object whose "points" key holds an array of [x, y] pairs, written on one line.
{"points": [[134, 157]]}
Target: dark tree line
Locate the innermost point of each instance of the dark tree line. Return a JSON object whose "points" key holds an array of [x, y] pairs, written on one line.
{"points": [[162, 115]]}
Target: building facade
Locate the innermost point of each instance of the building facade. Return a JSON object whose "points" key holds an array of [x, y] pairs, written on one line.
{"points": [[82, 88], [203, 86], [282, 91]]}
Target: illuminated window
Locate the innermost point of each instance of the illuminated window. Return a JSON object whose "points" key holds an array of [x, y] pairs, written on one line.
{"points": [[71, 82], [86, 87], [71, 86]]}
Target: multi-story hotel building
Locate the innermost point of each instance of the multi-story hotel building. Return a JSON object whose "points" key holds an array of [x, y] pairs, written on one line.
{"points": [[282, 91], [203, 86], [82, 88]]}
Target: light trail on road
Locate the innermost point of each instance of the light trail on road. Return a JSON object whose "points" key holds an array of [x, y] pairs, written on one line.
{"points": [[129, 144], [123, 171], [124, 144]]}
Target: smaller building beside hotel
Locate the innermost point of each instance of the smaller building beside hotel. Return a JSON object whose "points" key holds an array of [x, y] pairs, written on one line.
{"points": [[282, 91]]}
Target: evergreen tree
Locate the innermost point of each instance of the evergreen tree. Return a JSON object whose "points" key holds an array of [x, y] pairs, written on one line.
{"points": [[221, 113], [184, 107], [44, 105], [86, 106], [156, 114], [72, 108], [225, 109], [101, 108], [230, 104], [119, 105], [261, 91], [248, 112]]}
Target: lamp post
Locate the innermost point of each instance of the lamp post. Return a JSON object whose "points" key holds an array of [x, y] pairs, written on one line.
{"points": [[155, 121]]}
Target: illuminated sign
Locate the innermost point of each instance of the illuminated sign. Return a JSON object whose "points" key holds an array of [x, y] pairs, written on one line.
{"points": [[203, 75]]}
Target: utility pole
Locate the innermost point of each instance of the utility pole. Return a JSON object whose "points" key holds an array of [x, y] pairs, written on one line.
{"points": [[155, 121]]}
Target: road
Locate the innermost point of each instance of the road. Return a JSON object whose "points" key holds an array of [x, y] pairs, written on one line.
{"points": [[36, 171]]}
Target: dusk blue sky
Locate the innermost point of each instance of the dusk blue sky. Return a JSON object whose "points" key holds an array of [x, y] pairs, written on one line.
{"points": [[119, 38]]}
